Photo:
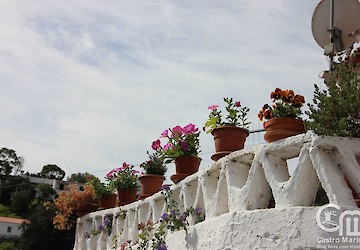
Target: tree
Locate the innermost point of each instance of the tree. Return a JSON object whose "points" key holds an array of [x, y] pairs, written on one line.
{"points": [[20, 200], [45, 192], [11, 183], [81, 177], [40, 234], [9, 161], [52, 171]]}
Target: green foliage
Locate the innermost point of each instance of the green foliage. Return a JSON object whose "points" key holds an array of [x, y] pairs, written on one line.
{"points": [[155, 164], [100, 189], [11, 183], [45, 192], [80, 177], [40, 234], [123, 177], [9, 161], [236, 116], [336, 110], [20, 200], [52, 171], [8, 245]]}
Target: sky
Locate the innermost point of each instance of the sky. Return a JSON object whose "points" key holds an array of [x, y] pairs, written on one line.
{"points": [[87, 85]]}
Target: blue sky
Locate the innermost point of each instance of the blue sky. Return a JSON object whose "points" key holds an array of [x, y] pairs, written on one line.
{"points": [[88, 85]]}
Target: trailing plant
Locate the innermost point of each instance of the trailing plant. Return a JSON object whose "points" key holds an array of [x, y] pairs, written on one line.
{"points": [[285, 104], [336, 111], [236, 116], [105, 226]]}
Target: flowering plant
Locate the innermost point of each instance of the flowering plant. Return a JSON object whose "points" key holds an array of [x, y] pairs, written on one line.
{"points": [[285, 104], [237, 116], [182, 141], [155, 164], [100, 189], [123, 177], [70, 201]]}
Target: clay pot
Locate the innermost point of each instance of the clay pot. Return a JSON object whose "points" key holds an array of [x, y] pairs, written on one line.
{"points": [[228, 139], [185, 166], [126, 195], [150, 184], [88, 208], [107, 201], [282, 127]]}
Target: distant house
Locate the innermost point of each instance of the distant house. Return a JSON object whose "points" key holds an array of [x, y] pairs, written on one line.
{"points": [[57, 185], [10, 227]]}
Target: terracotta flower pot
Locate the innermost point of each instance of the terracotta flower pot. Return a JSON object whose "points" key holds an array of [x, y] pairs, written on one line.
{"points": [[228, 139], [282, 127], [126, 195], [150, 184], [185, 166], [88, 208], [107, 202]]}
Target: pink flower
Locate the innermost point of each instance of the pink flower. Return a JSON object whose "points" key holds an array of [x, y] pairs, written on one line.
{"points": [[176, 131], [156, 144], [190, 128], [165, 133], [167, 146], [213, 107], [238, 104]]}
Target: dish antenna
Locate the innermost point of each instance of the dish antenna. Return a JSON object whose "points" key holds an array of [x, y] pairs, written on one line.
{"points": [[336, 25]]}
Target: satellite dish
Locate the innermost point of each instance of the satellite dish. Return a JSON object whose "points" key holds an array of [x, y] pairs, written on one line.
{"points": [[346, 22]]}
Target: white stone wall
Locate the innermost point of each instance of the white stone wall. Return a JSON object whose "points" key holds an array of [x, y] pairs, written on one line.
{"points": [[235, 193]]}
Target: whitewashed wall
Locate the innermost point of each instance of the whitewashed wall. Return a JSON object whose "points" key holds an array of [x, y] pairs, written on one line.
{"points": [[235, 193]]}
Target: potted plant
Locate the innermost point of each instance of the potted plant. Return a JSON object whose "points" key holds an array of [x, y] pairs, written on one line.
{"points": [[283, 117], [230, 134], [72, 202], [104, 193], [155, 168], [183, 148], [125, 180]]}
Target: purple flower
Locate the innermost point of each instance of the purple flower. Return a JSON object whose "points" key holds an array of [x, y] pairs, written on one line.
{"points": [[164, 216], [183, 217], [100, 227], [161, 247], [107, 221], [184, 145], [166, 187], [198, 210]]}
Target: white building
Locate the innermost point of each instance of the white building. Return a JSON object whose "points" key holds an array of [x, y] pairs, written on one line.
{"points": [[10, 227]]}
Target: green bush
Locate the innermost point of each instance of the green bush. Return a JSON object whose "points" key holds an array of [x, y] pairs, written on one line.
{"points": [[336, 110]]}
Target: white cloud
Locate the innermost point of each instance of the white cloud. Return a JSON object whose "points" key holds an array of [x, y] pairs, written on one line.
{"points": [[87, 85]]}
